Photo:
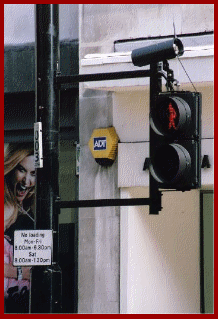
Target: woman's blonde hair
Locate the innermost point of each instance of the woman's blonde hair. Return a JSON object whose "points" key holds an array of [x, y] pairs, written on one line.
{"points": [[14, 154]]}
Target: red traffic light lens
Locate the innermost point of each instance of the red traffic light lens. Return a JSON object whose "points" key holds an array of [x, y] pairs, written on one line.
{"points": [[170, 163], [170, 115]]}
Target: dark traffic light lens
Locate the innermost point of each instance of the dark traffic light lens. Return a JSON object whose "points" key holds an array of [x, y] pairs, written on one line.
{"points": [[170, 163], [166, 162]]}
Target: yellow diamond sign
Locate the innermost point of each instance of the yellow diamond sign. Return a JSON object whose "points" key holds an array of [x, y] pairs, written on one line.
{"points": [[103, 145]]}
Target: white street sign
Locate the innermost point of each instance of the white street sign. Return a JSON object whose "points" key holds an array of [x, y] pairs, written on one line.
{"points": [[38, 149], [32, 247]]}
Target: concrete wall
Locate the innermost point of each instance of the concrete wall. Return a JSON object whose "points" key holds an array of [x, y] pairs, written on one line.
{"points": [[102, 24], [98, 227], [160, 269]]}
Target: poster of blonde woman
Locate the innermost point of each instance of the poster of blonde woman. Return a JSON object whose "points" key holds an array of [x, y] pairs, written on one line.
{"points": [[19, 184]]}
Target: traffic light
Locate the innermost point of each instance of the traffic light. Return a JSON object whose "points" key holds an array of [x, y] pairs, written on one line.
{"points": [[175, 140]]}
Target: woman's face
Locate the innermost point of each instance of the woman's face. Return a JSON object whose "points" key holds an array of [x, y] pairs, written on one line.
{"points": [[24, 178]]}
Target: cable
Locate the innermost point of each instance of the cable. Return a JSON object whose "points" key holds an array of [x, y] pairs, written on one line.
{"points": [[187, 74], [175, 36]]}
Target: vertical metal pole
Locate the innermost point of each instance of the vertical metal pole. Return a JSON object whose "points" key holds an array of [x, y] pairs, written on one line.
{"points": [[46, 280], [155, 88]]}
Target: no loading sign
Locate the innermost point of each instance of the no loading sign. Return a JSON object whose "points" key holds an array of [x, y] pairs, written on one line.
{"points": [[32, 247]]}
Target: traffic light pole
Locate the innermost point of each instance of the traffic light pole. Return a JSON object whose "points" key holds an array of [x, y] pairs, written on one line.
{"points": [[46, 280], [155, 88]]}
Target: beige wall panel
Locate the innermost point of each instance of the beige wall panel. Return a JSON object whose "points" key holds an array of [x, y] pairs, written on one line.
{"points": [[160, 255]]}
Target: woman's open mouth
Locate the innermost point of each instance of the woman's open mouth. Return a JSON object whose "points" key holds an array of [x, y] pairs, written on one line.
{"points": [[21, 191]]}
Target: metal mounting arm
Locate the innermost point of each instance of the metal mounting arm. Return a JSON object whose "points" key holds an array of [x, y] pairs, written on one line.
{"points": [[170, 76]]}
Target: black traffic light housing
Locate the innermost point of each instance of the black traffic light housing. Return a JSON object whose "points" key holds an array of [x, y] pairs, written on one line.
{"points": [[175, 140]]}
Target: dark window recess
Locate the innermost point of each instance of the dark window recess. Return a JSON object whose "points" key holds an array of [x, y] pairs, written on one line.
{"points": [[19, 87], [19, 65], [19, 115]]}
